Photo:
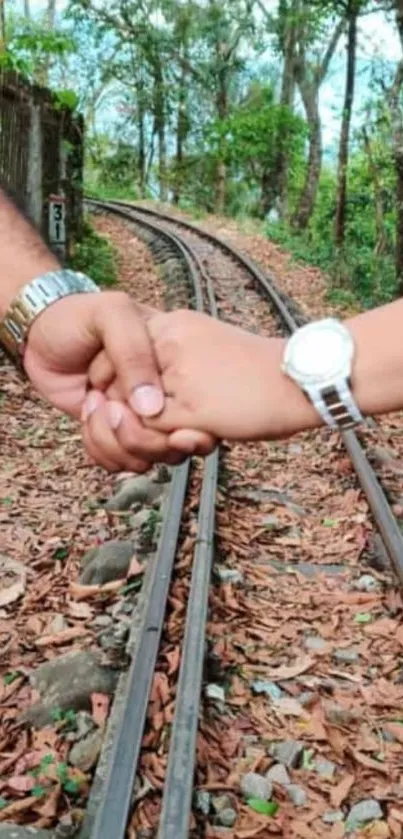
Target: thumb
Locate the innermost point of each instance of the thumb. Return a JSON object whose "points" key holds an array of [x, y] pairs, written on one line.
{"points": [[123, 332]]}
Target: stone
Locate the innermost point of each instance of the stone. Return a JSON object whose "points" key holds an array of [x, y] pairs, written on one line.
{"points": [[67, 682], [337, 715], [85, 753], [59, 624], [324, 768], [139, 519], [228, 575], [227, 817], [102, 621], [215, 692], [315, 643], [254, 785], [109, 562], [307, 569], [381, 455], [202, 802], [272, 523], [333, 816], [221, 802], [287, 752], [268, 688], [84, 725], [141, 489], [278, 774], [14, 831], [360, 814], [346, 656], [366, 583], [306, 698], [297, 795]]}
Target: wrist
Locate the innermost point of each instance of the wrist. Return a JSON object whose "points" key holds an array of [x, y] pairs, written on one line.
{"points": [[283, 408]]}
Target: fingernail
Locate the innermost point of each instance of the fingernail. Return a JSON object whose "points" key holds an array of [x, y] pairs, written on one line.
{"points": [[90, 405], [115, 414], [147, 400]]}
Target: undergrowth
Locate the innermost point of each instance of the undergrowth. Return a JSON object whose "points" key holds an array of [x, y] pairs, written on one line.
{"points": [[95, 256]]}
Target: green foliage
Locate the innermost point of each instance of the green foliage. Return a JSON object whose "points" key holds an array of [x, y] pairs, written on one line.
{"points": [[95, 256], [266, 808], [10, 677]]}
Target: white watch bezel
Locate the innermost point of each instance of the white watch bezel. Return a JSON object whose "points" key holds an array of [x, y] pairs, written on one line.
{"points": [[335, 372], [328, 390]]}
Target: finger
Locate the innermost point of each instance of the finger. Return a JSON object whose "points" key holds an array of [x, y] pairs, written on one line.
{"points": [[122, 330], [101, 372], [100, 417], [193, 442]]}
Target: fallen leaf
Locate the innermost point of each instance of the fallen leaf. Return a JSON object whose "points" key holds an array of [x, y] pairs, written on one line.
{"points": [[368, 762], [62, 637], [21, 783], [100, 707], [339, 794], [290, 672], [80, 610], [81, 592], [290, 708], [395, 729], [135, 568]]}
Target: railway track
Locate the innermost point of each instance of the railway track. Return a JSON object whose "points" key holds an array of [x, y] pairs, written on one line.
{"points": [[190, 248]]}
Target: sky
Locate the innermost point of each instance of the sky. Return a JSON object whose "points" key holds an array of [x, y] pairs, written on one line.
{"points": [[378, 44]]}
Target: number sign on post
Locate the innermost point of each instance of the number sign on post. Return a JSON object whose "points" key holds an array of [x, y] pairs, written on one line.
{"points": [[57, 224]]}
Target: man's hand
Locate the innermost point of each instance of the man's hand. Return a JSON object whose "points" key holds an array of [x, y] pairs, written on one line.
{"points": [[64, 341]]}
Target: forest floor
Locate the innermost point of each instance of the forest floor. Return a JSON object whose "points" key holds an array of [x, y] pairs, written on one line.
{"points": [[313, 631]]}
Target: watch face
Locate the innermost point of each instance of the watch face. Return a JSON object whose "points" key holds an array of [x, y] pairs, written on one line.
{"points": [[319, 351]]}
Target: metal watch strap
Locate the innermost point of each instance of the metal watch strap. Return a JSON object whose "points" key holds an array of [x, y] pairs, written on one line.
{"points": [[336, 405], [33, 299]]}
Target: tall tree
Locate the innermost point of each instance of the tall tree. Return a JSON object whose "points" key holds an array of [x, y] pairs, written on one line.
{"points": [[353, 8], [2, 26], [395, 102]]}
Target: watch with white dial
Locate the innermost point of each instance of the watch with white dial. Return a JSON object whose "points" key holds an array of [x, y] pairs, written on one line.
{"points": [[31, 300], [319, 358]]}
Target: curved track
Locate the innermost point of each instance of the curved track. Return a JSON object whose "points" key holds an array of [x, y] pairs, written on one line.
{"points": [[178, 238]]}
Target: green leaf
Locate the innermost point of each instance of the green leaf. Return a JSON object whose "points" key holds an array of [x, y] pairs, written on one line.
{"points": [[9, 678], [38, 791], [3, 803], [329, 522], [362, 617], [266, 808], [307, 759], [71, 786], [61, 553], [7, 500]]}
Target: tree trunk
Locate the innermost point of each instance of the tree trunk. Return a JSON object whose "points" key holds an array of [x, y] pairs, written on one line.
{"points": [[306, 204], [381, 237], [286, 100], [27, 10], [141, 160], [2, 27], [399, 220], [222, 113], [181, 134], [160, 127], [341, 201]]}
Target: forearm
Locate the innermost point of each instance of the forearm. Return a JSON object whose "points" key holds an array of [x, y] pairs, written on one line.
{"points": [[377, 376], [23, 254]]}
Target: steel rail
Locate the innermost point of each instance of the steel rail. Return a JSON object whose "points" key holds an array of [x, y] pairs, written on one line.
{"points": [[113, 813], [377, 501]]}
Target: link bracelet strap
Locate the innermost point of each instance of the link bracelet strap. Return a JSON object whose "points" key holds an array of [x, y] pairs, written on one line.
{"points": [[33, 299], [336, 405]]}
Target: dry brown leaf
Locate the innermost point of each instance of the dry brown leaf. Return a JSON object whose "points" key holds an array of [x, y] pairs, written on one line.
{"points": [[81, 592], [290, 708], [100, 707], [80, 610], [17, 807], [368, 762], [339, 794], [49, 809], [395, 729], [135, 568], [21, 783], [290, 672], [63, 637]]}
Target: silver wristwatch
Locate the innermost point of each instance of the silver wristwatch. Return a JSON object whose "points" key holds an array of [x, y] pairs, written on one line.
{"points": [[319, 358], [31, 300]]}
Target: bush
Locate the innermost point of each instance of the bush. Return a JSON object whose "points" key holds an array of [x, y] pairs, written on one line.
{"points": [[95, 256]]}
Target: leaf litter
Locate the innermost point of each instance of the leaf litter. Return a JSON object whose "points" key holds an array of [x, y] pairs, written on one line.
{"points": [[294, 615]]}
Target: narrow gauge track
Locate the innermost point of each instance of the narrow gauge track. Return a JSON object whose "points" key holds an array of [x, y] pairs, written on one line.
{"points": [[113, 814]]}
